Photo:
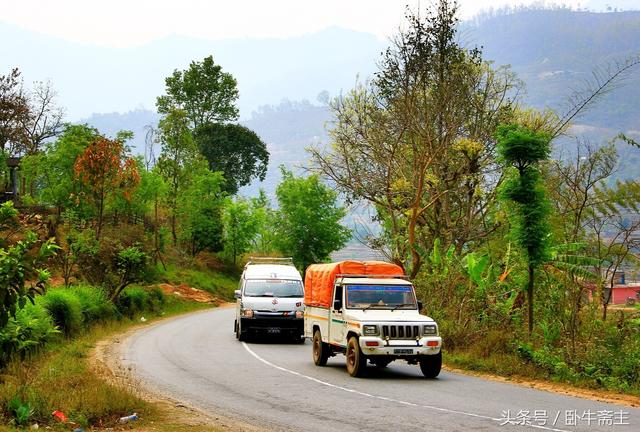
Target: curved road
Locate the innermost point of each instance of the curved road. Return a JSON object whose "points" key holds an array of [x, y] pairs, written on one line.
{"points": [[276, 386]]}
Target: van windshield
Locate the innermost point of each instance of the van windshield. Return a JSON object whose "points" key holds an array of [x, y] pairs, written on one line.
{"points": [[381, 297], [273, 288]]}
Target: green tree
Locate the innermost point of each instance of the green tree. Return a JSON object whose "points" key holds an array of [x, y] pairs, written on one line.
{"points": [[52, 173], [308, 220], [235, 150], [522, 150], [177, 160], [265, 218], [240, 227], [200, 209], [417, 142], [204, 92]]}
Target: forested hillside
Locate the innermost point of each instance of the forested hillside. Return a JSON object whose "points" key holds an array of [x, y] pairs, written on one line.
{"points": [[549, 50]]}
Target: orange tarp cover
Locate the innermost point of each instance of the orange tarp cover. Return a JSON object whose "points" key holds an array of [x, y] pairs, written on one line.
{"points": [[319, 278]]}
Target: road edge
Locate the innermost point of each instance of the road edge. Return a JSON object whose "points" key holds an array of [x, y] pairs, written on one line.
{"points": [[106, 361], [597, 395]]}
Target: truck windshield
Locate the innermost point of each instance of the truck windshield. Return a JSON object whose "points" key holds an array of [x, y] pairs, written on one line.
{"points": [[273, 288], [380, 297]]}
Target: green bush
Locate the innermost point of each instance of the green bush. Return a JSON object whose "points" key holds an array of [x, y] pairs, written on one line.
{"points": [[94, 303], [133, 300], [26, 333], [157, 299], [65, 309]]}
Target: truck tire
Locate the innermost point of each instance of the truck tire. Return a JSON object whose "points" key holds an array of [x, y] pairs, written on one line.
{"points": [[430, 365], [235, 328], [320, 349], [356, 360]]}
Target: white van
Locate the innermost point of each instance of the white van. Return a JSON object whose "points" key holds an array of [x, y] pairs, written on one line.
{"points": [[270, 299]]}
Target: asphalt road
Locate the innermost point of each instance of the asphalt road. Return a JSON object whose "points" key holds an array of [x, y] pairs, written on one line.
{"points": [[275, 385]]}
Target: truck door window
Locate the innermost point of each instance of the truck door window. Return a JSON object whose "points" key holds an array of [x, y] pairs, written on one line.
{"points": [[338, 295]]}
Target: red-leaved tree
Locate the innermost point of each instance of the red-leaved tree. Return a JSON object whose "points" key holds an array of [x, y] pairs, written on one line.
{"points": [[104, 168]]}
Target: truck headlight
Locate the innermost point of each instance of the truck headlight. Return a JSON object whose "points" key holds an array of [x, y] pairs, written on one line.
{"points": [[370, 330], [430, 329], [299, 314], [247, 313]]}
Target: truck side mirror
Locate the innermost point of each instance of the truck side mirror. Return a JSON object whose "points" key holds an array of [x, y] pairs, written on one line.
{"points": [[237, 294], [337, 304], [420, 306]]}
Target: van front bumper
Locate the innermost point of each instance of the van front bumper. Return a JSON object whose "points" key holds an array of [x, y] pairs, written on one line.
{"points": [[376, 346], [284, 325]]}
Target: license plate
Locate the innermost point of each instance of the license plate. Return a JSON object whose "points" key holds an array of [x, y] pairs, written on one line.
{"points": [[273, 330], [403, 351]]}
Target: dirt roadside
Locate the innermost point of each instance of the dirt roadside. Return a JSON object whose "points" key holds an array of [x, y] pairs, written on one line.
{"points": [[552, 387], [105, 361]]}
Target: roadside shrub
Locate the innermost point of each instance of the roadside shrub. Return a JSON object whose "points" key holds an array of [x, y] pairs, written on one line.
{"points": [[26, 333], [94, 303], [65, 310], [157, 299], [20, 411], [132, 301]]}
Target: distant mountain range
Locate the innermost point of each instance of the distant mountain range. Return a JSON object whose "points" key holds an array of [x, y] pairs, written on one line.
{"points": [[552, 51]]}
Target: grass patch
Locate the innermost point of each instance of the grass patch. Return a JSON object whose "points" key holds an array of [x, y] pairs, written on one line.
{"points": [[219, 284], [61, 378]]}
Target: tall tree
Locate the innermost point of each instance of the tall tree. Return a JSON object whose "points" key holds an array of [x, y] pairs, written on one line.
{"points": [[418, 142], [203, 91], [308, 220], [178, 156], [522, 151], [14, 111], [234, 150], [240, 227], [105, 168], [45, 120], [200, 209]]}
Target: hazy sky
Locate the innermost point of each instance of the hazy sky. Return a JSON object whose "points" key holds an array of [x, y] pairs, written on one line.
{"points": [[121, 23]]}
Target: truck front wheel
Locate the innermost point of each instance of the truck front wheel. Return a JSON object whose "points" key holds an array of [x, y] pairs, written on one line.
{"points": [[356, 361], [430, 365], [320, 349]]}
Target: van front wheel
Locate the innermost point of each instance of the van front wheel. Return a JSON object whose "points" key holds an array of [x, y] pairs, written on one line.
{"points": [[320, 349]]}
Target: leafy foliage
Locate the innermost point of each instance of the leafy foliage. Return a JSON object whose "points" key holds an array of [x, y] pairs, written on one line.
{"points": [[308, 222], [17, 266], [201, 206], [104, 168], [26, 333], [204, 92], [235, 151], [240, 227], [524, 149]]}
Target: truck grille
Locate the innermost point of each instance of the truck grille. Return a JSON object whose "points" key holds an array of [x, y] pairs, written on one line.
{"points": [[400, 331]]}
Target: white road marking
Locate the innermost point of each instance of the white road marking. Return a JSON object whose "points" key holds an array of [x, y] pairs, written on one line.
{"points": [[398, 401]]}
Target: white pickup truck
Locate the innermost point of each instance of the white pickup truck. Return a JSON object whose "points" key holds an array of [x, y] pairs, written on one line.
{"points": [[369, 312]]}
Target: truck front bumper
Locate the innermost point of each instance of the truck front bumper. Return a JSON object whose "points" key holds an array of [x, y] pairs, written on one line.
{"points": [[376, 346]]}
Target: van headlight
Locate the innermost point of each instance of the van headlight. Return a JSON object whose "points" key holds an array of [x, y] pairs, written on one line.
{"points": [[247, 313], [370, 330], [430, 330]]}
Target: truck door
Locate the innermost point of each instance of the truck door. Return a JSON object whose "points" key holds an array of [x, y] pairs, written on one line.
{"points": [[338, 325]]}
